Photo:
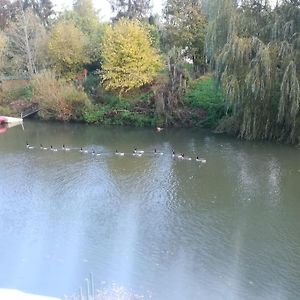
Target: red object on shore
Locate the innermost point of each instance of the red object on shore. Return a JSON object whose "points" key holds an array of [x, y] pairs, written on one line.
{"points": [[2, 120], [3, 129]]}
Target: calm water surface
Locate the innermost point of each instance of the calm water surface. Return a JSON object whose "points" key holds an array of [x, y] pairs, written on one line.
{"points": [[156, 226]]}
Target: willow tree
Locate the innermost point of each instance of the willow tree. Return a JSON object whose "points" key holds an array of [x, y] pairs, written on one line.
{"points": [[257, 68]]}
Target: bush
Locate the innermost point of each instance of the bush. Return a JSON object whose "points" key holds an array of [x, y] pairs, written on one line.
{"points": [[5, 111], [20, 93], [91, 85], [203, 93], [114, 115], [58, 99]]}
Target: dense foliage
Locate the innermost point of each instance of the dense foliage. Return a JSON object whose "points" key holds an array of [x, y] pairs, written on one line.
{"points": [[143, 69], [68, 49], [258, 67], [130, 61]]}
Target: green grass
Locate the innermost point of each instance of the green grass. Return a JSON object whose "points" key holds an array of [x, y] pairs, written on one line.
{"points": [[204, 94]]}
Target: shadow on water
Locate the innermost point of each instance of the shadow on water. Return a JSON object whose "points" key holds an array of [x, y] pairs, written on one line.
{"points": [[154, 225]]}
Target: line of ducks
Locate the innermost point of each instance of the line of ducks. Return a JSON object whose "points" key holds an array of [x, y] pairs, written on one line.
{"points": [[135, 152]]}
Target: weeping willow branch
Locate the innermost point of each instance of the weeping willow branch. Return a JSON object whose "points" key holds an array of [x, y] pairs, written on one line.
{"points": [[258, 67]]}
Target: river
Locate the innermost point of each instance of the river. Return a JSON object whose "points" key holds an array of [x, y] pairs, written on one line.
{"points": [[157, 226]]}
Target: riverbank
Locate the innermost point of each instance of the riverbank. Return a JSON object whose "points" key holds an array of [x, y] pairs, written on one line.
{"points": [[202, 104]]}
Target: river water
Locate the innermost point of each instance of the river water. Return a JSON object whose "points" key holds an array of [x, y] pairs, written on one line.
{"points": [[153, 225]]}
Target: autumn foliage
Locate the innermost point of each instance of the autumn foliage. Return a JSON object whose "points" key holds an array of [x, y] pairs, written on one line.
{"points": [[67, 47], [129, 59]]}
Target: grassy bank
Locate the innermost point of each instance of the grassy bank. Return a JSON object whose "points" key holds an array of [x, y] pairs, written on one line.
{"points": [[202, 104]]}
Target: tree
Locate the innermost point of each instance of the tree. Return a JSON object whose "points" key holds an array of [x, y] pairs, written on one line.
{"points": [[185, 28], [4, 13], [67, 47], [84, 8], [257, 68], [26, 41], [86, 19], [8, 13], [131, 9], [3, 43], [45, 11], [41, 8], [129, 60]]}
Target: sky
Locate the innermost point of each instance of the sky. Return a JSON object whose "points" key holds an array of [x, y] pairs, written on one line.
{"points": [[103, 5]]}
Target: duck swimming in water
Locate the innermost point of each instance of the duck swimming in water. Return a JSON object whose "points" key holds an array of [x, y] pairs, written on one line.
{"points": [[42, 147], [139, 154], [53, 149], [29, 147], [119, 153], [83, 151], [65, 148], [138, 151], [158, 153], [180, 156], [202, 160]]}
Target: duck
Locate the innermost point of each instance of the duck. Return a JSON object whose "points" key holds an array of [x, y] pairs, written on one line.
{"points": [[83, 151], [159, 129], [93, 152], [139, 154], [98, 154], [138, 151], [29, 147], [53, 149], [158, 153], [180, 156], [119, 153], [42, 147], [65, 148], [173, 153], [186, 158], [202, 160]]}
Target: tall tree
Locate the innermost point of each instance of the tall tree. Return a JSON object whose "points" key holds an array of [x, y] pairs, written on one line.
{"points": [[42, 8], [131, 9], [84, 8], [185, 28], [26, 42], [258, 68], [8, 13]]}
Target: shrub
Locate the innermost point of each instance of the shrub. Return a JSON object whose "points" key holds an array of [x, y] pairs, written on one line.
{"points": [[203, 93], [91, 85], [58, 99]]}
